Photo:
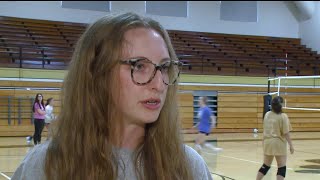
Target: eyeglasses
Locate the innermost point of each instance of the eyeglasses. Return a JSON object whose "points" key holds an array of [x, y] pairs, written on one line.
{"points": [[143, 70]]}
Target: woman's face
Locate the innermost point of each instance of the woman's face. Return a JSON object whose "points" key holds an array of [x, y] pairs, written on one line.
{"points": [[51, 102], [201, 103], [40, 97], [141, 104]]}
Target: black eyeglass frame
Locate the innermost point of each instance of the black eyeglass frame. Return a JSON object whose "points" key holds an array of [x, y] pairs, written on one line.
{"points": [[132, 62]]}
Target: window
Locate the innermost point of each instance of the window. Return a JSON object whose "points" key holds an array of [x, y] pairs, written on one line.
{"points": [[167, 8], [87, 5], [243, 11]]}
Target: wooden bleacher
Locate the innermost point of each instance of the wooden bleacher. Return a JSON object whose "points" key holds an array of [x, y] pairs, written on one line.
{"points": [[28, 43], [211, 53]]}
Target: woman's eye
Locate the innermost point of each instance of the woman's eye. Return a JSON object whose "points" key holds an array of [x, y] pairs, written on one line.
{"points": [[139, 67]]}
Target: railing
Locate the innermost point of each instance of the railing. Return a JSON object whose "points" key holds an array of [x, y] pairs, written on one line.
{"points": [[272, 67], [59, 58], [35, 56]]}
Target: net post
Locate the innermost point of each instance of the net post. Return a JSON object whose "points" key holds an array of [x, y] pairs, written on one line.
{"points": [[268, 86]]}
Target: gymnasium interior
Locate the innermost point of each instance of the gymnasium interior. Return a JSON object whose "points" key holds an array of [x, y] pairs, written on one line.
{"points": [[237, 53]]}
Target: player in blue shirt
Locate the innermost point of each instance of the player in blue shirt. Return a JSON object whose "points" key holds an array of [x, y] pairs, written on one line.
{"points": [[204, 126]]}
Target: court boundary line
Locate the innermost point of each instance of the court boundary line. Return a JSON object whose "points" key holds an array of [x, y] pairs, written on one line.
{"points": [[307, 152], [222, 176], [244, 160], [243, 140], [4, 175]]}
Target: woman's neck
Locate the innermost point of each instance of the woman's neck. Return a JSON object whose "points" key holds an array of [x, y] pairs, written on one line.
{"points": [[132, 136]]}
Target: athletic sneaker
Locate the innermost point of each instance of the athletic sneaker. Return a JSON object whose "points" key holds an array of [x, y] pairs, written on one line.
{"points": [[213, 148], [28, 140]]}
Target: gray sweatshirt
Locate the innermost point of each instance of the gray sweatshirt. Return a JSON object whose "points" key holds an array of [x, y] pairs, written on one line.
{"points": [[32, 167]]}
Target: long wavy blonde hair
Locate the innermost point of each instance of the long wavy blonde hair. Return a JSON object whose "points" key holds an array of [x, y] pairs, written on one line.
{"points": [[81, 146]]}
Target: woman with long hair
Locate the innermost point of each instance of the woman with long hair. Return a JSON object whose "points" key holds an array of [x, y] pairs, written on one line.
{"points": [[119, 115], [276, 136], [39, 113]]}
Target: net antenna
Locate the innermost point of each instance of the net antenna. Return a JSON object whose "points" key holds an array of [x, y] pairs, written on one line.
{"points": [[286, 82]]}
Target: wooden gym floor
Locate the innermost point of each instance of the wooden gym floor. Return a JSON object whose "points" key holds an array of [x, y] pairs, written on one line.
{"points": [[240, 159]]}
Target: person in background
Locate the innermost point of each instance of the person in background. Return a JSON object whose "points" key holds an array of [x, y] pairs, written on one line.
{"points": [[276, 136], [38, 115], [206, 123], [49, 117]]}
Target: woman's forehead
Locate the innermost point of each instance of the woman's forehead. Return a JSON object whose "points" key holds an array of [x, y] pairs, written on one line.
{"points": [[143, 42]]}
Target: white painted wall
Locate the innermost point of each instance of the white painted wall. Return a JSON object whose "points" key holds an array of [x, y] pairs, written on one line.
{"points": [[310, 30], [274, 18]]}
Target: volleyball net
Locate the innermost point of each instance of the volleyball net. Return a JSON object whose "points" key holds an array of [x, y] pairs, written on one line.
{"points": [[296, 101]]}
